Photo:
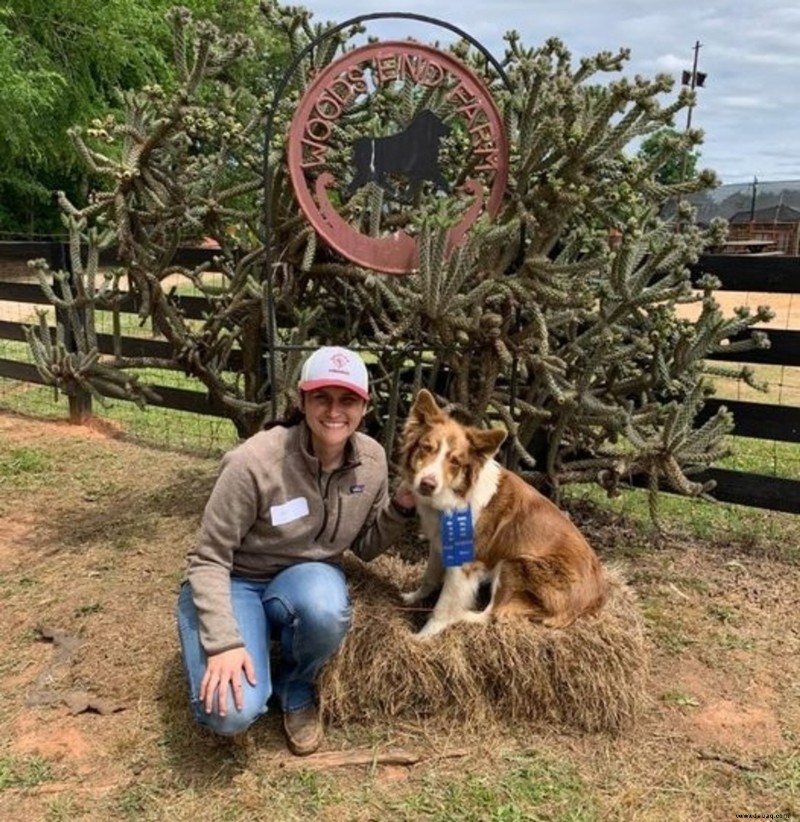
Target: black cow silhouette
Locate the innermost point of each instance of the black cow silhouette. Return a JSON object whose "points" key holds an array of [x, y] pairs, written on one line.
{"points": [[413, 154]]}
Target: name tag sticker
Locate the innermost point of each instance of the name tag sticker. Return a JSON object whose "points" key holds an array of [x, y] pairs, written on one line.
{"points": [[458, 546], [289, 511]]}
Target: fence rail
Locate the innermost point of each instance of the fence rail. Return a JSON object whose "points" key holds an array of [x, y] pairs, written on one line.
{"points": [[735, 272]]}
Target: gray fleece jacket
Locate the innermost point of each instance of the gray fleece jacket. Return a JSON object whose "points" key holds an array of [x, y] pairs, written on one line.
{"points": [[272, 506]]}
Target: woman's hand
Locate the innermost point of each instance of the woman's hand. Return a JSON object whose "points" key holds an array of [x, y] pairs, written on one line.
{"points": [[404, 496], [222, 670], [403, 502]]}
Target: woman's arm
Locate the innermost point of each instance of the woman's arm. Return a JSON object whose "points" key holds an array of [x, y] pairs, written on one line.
{"points": [[229, 514], [386, 522]]}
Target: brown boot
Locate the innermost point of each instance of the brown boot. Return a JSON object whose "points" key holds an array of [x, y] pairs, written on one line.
{"points": [[303, 730]]}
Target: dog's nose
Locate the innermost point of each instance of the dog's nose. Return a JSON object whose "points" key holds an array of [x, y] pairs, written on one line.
{"points": [[427, 485]]}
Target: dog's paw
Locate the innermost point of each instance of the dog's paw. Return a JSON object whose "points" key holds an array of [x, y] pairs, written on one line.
{"points": [[412, 597], [429, 629]]}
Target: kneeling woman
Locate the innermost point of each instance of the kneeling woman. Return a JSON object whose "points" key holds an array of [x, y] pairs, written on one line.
{"points": [[286, 505]]}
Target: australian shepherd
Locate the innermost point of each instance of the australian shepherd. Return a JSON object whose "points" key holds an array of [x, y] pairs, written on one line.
{"points": [[536, 561]]}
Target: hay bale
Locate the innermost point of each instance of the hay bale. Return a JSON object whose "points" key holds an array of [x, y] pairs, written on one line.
{"points": [[589, 676]]}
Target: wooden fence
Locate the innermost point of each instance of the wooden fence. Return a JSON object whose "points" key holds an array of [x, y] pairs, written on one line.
{"points": [[14, 255], [736, 272]]}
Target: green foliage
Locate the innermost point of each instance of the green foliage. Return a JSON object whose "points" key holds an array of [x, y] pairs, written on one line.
{"points": [[23, 461], [23, 772], [65, 62], [557, 319], [670, 155]]}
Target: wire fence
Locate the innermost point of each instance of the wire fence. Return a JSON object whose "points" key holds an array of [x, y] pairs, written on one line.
{"points": [[156, 425], [768, 423]]}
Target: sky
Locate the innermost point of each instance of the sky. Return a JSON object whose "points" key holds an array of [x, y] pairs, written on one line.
{"points": [[749, 107]]}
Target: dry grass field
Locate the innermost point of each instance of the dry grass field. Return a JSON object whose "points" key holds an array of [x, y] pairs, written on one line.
{"points": [[783, 382], [93, 532]]}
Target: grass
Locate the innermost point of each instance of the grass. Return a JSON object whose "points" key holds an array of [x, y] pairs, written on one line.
{"points": [[699, 518], [162, 426], [135, 802], [788, 775], [154, 425], [524, 788], [777, 459], [21, 461], [782, 385], [23, 772], [724, 614], [533, 787], [681, 699], [112, 520]]}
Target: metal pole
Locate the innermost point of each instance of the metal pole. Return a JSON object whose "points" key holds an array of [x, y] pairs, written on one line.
{"points": [[692, 86], [280, 90]]}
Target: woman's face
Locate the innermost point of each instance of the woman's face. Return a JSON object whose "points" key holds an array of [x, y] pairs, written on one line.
{"points": [[332, 414]]}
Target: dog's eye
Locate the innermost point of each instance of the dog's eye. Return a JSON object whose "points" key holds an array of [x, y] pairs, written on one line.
{"points": [[455, 461]]}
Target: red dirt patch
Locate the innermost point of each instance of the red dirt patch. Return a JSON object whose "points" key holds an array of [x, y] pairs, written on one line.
{"points": [[52, 739], [25, 429], [737, 728]]}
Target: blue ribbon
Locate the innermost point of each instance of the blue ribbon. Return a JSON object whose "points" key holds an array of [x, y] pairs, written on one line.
{"points": [[458, 545]]}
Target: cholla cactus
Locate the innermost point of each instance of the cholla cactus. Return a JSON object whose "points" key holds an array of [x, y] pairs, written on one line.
{"points": [[560, 319], [79, 365], [557, 319]]}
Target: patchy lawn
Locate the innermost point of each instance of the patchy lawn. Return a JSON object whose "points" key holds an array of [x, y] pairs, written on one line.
{"points": [[93, 533]]}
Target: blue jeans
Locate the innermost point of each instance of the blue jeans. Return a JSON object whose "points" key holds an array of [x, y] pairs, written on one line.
{"points": [[305, 608]]}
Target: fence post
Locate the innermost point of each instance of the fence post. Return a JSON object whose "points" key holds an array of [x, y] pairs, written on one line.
{"points": [[80, 401]]}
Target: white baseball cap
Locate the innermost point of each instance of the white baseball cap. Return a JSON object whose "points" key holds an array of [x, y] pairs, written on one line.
{"points": [[335, 366]]}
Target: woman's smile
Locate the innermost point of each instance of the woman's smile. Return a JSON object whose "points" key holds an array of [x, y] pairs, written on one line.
{"points": [[332, 415]]}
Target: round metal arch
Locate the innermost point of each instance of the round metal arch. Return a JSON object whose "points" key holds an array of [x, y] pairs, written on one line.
{"points": [[280, 90]]}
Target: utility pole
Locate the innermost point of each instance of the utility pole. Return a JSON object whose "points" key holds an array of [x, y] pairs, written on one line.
{"points": [[753, 199], [694, 79]]}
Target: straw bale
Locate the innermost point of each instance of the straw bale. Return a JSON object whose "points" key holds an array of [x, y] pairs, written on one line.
{"points": [[589, 676]]}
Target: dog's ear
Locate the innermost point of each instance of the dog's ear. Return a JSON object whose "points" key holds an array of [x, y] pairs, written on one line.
{"points": [[425, 410], [485, 442]]}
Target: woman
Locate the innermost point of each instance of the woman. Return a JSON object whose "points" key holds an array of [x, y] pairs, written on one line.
{"points": [[286, 505]]}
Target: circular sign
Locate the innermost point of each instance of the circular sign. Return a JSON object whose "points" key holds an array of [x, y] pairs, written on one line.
{"points": [[386, 131]]}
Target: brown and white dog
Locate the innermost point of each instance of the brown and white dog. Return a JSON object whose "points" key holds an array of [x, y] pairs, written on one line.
{"points": [[538, 563]]}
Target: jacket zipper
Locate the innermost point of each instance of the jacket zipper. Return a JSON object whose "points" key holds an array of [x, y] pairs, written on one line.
{"points": [[338, 519], [325, 507], [324, 494]]}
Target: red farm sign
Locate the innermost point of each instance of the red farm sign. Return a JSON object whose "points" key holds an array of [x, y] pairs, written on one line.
{"points": [[385, 131]]}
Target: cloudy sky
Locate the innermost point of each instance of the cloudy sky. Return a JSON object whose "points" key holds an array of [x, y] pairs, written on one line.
{"points": [[749, 108]]}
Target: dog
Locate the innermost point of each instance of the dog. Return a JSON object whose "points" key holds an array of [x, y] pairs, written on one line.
{"points": [[537, 562]]}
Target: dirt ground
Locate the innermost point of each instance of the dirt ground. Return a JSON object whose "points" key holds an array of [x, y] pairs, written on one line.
{"points": [[93, 533]]}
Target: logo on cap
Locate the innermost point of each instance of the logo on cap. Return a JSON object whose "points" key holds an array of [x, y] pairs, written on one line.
{"points": [[339, 363]]}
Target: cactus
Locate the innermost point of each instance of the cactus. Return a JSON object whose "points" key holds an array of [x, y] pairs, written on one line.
{"points": [[557, 319]]}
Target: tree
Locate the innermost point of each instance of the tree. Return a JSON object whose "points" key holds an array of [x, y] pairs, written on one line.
{"points": [[670, 155], [557, 318], [65, 62]]}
